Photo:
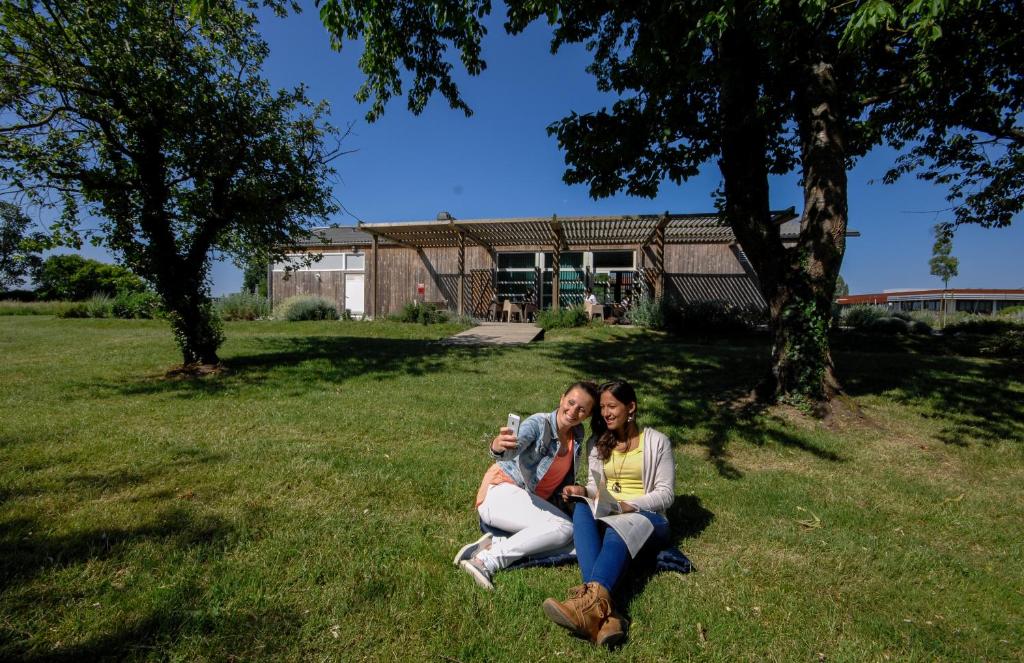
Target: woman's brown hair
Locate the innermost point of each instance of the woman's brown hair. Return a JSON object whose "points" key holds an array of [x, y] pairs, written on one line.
{"points": [[624, 393]]}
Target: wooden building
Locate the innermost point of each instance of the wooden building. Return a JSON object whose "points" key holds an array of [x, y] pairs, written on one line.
{"points": [[376, 268]]}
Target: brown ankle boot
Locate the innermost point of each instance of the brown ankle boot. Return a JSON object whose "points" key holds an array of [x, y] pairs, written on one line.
{"points": [[613, 630], [584, 612]]}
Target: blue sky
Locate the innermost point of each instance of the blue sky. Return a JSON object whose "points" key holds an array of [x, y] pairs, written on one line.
{"points": [[501, 163]]}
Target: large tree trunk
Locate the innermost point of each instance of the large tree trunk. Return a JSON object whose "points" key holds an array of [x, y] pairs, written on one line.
{"points": [[819, 249], [797, 282], [196, 327], [180, 280]]}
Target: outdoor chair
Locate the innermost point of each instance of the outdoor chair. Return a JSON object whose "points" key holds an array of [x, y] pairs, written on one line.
{"points": [[529, 312], [509, 310], [595, 311]]}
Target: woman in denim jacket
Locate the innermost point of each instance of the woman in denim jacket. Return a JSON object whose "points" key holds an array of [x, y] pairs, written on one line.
{"points": [[516, 492]]}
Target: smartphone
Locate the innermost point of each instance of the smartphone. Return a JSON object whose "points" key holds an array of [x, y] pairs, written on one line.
{"points": [[513, 423]]}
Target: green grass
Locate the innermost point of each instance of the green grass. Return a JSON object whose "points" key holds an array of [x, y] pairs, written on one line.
{"points": [[306, 503], [14, 307]]}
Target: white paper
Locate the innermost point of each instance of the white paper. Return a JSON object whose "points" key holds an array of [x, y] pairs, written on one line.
{"points": [[632, 527]]}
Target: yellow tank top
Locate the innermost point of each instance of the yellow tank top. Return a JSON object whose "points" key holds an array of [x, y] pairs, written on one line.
{"points": [[624, 472]]}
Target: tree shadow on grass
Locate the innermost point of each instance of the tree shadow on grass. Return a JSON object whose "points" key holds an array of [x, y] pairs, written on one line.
{"points": [[181, 614], [686, 391], [687, 519], [87, 484], [976, 401], [27, 551], [292, 363]]}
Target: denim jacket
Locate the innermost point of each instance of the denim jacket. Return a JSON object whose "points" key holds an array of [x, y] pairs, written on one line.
{"points": [[538, 444]]}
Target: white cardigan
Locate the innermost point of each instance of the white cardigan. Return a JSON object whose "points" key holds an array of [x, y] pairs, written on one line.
{"points": [[658, 474]]}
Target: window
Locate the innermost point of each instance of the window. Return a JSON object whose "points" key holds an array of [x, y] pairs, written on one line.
{"points": [[567, 260], [355, 262], [517, 276], [330, 262], [608, 260]]}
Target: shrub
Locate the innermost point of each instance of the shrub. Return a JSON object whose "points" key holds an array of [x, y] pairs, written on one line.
{"points": [[708, 318], [243, 306], [862, 315], [75, 278], [566, 318], [1012, 312], [137, 305], [929, 317], [100, 305], [983, 325], [648, 312], [751, 315], [307, 308], [424, 314], [1009, 344], [920, 327], [888, 325], [75, 310]]}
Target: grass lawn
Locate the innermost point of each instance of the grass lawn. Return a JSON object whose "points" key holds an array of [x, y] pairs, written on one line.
{"points": [[305, 505]]}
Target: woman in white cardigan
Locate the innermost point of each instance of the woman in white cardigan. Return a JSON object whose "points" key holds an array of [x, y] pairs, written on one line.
{"points": [[637, 468]]}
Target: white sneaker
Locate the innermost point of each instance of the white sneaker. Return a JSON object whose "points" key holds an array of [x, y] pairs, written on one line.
{"points": [[480, 573], [469, 550]]}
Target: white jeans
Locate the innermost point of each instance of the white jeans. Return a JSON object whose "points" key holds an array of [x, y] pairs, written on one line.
{"points": [[538, 526]]}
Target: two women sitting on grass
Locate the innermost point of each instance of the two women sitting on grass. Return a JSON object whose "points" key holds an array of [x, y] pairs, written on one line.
{"points": [[630, 468], [636, 467]]}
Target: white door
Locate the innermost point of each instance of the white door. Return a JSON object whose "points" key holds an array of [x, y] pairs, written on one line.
{"points": [[354, 294]]}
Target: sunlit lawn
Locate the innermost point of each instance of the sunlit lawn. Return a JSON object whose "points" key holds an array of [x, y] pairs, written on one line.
{"points": [[305, 504]]}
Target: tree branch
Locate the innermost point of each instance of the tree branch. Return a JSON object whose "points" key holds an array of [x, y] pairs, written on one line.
{"points": [[35, 125]]}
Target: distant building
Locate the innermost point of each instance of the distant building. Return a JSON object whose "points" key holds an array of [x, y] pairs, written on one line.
{"points": [[966, 300], [466, 264]]}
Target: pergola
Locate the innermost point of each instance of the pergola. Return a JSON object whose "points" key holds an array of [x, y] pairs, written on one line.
{"points": [[556, 234]]}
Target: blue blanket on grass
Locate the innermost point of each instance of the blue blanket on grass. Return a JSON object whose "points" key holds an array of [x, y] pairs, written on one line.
{"points": [[669, 559]]}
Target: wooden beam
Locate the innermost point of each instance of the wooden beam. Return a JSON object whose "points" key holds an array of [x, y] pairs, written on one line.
{"points": [[556, 264], [376, 233], [661, 226], [373, 282], [463, 232], [557, 233], [462, 270], [658, 247]]}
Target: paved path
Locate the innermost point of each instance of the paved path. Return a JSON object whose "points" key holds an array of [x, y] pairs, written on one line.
{"points": [[498, 333]]}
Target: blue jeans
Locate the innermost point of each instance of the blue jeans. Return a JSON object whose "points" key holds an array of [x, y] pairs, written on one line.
{"points": [[604, 557]]}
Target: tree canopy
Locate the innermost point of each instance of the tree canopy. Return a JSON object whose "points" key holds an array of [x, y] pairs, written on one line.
{"points": [[72, 277], [943, 263], [759, 88], [165, 130], [19, 246], [949, 94]]}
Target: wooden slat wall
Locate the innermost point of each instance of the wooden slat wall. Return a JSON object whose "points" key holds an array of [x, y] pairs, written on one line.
{"points": [[330, 286], [401, 268], [699, 259]]}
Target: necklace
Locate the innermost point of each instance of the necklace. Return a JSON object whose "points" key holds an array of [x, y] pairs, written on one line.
{"points": [[617, 487]]}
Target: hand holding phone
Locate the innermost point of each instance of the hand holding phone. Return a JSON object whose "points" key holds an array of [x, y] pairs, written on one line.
{"points": [[508, 437], [513, 423]]}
